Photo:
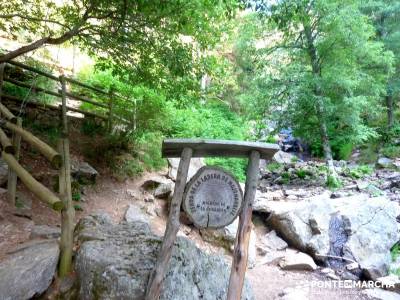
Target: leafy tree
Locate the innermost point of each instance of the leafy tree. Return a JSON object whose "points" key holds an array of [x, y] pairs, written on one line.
{"points": [[386, 17], [157, 41], [322, 71]]}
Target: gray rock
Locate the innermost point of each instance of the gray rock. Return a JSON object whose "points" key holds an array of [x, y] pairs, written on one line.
{"points": [[3, 172], [384, 162], [45, 232], [115, 263], [225, 237], [359, 228], [134, 214], [284, 157], [29, 271], [83, 172], [195, 165], [164, 190], [378, 294], [274, 242], [159, 187], [294, 260], [390, 282]]}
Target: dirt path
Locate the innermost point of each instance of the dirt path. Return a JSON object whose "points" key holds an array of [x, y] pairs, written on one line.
{"points": [[113, 197]]}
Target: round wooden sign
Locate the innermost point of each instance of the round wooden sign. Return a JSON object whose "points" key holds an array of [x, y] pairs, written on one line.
{"points": [[213, 198]]}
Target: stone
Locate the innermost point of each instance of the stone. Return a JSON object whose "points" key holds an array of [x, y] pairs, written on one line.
{"points": [[45, 232], [164, 190], [83, 172], [196, 163], [225, 237], [134, 194], [159, 187], [294, 260], [273, 242], [359, 228], [134, 214], [284, 157], [378, 294], [384, 162], [390, 282], [29, 271], [213, 198], [115, 263], [3, 172]]}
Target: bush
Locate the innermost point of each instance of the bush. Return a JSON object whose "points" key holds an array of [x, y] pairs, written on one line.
{"points": [[31, 79], [391, 151], [237, 166]]}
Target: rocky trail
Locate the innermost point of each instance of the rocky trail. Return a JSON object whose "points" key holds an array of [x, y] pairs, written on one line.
{"points": [[299, 227]]}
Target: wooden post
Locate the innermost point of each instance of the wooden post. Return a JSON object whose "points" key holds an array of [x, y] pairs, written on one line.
{"points": [[12, 176], [68, 213], [240, 253], [157, 276], [1, 78], [110, 112]]}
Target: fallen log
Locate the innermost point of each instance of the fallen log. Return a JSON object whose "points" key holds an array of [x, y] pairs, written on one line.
{"points": [[52, 155], [42, 192]]}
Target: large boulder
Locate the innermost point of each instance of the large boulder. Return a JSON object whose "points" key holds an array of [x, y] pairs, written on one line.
{"points": [[358, 228], [284, 157], [195, 165], [226, 236], [29, 271], [83, 172], [114, 261]]}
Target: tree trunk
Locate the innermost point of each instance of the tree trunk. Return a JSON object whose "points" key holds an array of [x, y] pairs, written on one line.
{"points": [[390, 108], [332, 177]]}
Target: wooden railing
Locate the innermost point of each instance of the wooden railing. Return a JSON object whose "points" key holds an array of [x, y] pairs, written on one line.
{"points": [[106, 106], [59, 159]]}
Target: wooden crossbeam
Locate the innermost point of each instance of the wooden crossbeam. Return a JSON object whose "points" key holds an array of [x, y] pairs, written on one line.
{"points": [[227, 148]]}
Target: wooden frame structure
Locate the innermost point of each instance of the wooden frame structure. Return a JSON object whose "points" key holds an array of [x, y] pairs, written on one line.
{"points": [[186, 149], [59, 159]]}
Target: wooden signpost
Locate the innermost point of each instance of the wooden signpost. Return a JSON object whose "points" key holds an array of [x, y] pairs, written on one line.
{"points": [[213, 198]]}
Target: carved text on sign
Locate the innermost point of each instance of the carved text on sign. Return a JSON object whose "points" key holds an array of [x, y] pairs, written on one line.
{"points": [[213, 198]]}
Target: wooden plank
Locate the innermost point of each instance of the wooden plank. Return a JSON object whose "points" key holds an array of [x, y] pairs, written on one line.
{"points": [[36, 103], [240, 253], [157, 276], [12, 176], [32, 69], [52, 155], [84, 99], [42, 192], [29, 86], [6, 143], [7, 114], [84, 85], [1, 78], [204, 148]]}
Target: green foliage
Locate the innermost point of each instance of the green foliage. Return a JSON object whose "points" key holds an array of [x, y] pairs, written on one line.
{"points": [[212, 121], [301, 173], [236, 166], [333, 182], [33, 80], [395, 252], [150, 151], [274, 166], [391, 151], [359, 171]]}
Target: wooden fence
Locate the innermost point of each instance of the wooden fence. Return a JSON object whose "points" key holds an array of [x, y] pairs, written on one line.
{"points": [[59, 159]]}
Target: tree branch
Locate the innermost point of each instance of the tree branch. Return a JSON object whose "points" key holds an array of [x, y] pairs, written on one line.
{"points": [[10, 16]]}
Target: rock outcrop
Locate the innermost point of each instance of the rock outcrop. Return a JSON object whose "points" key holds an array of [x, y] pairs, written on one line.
{"points": [[114, 261], [195, 165], [358, 228], [29, 271]]}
